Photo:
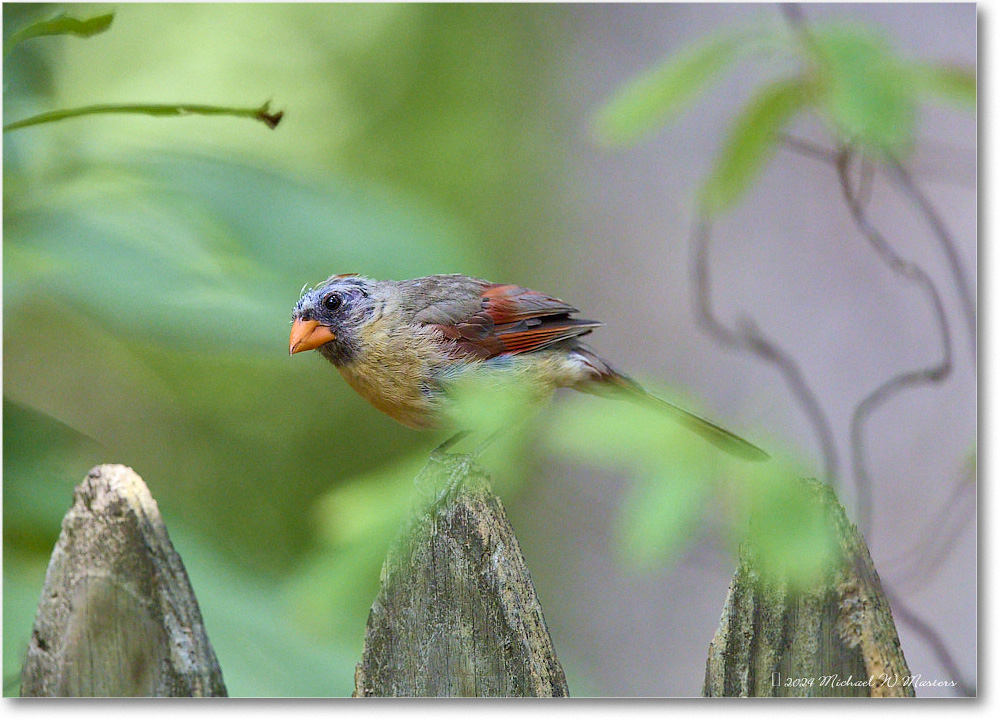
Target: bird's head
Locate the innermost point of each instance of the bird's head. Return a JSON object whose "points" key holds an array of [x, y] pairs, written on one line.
{"points": [[330, 317]]}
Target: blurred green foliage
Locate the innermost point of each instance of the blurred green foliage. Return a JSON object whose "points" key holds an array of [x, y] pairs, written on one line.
{"points": [[679, 481], [655, 97], [751, 142], [61, 24], [848, 75], [851, 77], [675, 477], [151, 266]]}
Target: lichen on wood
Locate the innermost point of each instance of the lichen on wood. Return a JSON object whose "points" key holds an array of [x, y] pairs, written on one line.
{"points": [[457, 614], [832, 638], [117, 616]]}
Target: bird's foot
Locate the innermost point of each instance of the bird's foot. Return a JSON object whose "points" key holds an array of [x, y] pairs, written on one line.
{"points": [[441, 450], [441, 480]]}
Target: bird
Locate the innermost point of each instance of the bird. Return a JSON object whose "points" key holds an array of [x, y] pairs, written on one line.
{"points": [[400, 344]]}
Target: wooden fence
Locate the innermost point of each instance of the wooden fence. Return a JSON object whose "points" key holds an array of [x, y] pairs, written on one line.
{"points": [[456, 615]]}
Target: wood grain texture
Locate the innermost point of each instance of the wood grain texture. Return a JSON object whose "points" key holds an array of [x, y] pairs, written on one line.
{"points": [[457, 614], [839, 632], [117, 616]]}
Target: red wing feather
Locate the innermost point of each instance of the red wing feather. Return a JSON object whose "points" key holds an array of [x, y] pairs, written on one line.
{"points": [[514, 320], [509, 303]]}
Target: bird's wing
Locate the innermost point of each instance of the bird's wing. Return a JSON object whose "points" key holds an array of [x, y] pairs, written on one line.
{"points": [[511, 319]]}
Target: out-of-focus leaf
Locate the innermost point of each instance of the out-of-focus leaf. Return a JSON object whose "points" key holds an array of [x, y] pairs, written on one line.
{"points": [[491, 398], [866, 92], [661, 515], [61, 24], [675, 470], [971, 463], [654, 97], [367, 504], [602, 430], [949, 82], [23, 576], [42, 460], [332, 589], [261, 651], [789, 531], [212, 254], [751, 142]]}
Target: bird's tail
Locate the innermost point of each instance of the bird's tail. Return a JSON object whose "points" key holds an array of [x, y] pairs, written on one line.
{"points": [[612, 383]]}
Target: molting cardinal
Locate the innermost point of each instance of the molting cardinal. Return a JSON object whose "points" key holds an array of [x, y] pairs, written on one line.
{"points": [[398, 343]]}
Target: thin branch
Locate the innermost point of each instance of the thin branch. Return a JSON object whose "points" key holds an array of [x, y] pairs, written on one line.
{"points": [[929, 375], [857, 202], [918, 576], [866, 181], [796, 19], [752, 340], [903, 178], [920, 562], [807, 148], [930, 169], [940, 544], [930, 635], [262, 113]]}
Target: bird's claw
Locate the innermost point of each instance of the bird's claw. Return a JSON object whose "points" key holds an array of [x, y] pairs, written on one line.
{"points": [[442, 478]]}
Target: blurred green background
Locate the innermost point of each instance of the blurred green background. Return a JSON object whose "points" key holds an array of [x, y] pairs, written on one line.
{"points": [[150, 267]]}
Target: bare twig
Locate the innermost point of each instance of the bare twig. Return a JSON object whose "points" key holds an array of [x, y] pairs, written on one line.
{"points": [[920, 562], [934, 374], [926, 163], [807, 148], [931, 374], [866, 181], [752, 340], [796, 19], [933, 639], [905, 181], [857, 202]]}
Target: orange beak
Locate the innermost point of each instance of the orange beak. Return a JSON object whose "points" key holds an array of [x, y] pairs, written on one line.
{"points": [[308, 334]]}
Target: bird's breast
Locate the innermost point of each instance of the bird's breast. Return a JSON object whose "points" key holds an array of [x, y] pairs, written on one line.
{"points": [[404, 370], [395, 372]]}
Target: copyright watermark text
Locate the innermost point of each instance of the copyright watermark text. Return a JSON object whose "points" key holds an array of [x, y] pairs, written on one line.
{"points": [[835, 680]]}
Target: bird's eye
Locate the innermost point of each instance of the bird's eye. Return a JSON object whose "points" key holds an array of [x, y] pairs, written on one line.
{"points": [[332, 301]]}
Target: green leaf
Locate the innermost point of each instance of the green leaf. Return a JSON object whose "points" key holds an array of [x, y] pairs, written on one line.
{"points": [[789, 531], [867, 94], [953, 83], [751, 142], [615, 433], [182, 242], [42, 457], [23, 576], [490, 397], [331, 590], [676, 471], [61, 24], [651, 99], [661, 515], [260, 647]]}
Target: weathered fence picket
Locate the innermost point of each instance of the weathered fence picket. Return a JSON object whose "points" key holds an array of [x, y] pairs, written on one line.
{"points": [[833, 638], [117, 616], [456, 615]]}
